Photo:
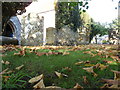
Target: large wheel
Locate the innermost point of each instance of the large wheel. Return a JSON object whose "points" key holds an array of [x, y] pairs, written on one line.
{"points": [[8, 40]]}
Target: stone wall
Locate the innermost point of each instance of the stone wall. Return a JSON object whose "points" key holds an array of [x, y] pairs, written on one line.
{"points": [[114, 36], [65, 36], [32, 29]]}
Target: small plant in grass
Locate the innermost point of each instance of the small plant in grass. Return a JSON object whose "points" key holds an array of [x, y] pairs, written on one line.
{"points": [[15, 80]]}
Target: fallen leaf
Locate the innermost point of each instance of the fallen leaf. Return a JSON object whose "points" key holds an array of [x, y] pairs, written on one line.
{"points": [[87, 62], [110, 81], [68, 69], [89, 69], [95, 75], [4, 71], [6, 78], [40, 53], [64, 75], [19, 67], [116, 75], [32, 50], [35, 79], [102, 66], [40, 84], [21, 53], [85, 80], [78, 63], [2, 61], [77, 86], [114, 86], [115, 57], [49, 53], [105, 86], [52, 87], [66, 53], [97, 65], [9, 72], [89, 65], [58, 74], [5, 62]]}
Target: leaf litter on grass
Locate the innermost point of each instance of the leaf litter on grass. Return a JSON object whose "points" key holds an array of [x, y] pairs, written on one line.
{"points": [[85, 64]]}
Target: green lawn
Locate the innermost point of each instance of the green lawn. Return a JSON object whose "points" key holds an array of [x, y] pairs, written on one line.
{"points": [[35, 65]]}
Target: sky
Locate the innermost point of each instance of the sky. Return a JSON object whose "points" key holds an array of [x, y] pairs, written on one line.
{"points": [[100, 10], [103, 10]]}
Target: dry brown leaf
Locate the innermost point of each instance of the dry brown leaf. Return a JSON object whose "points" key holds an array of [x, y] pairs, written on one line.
{"points": [[102, 66], [89, 65], [77, 86], [35, 79], [19, 67], [52, 87], [85, 80], [9, 72], [40, 53], [68, 69], [6, 78], [78, 63], [95, 75], [110, 81], [5, 62], [66, 53], [40, 84], [64, 75], [97, 65], [32, 50], [105, 86], [58, 74], [116, 75], [87, 62], [2, 61], [4, 71], [114, 86], [115, 58], [89, 69], [49, 53], [21, 53]]}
